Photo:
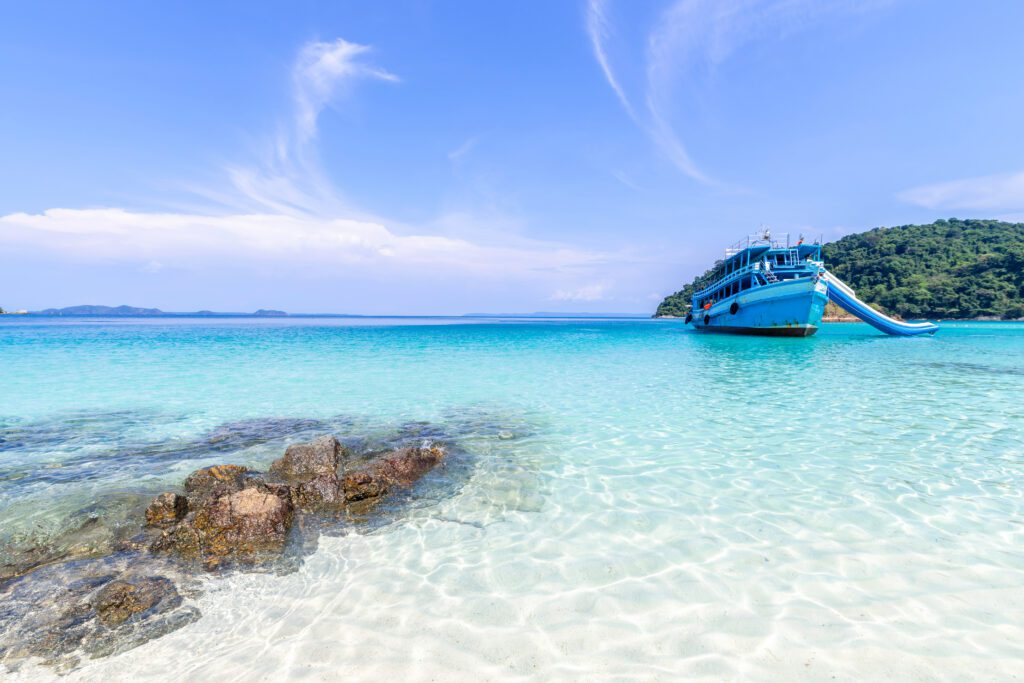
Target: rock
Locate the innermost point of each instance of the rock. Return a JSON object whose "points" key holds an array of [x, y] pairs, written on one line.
{"points": [[216, 481], [166, 510], [304, 461], [321, 492], [119, 601], [406, 465], [363, 485], [247, 526], [64, 612], [397, 468]]}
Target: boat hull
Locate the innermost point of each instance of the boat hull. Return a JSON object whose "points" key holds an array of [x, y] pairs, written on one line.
{"points": [[791, 308]]}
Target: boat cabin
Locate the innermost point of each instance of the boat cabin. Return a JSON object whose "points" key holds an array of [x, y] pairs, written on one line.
{"points": [[757, 261]]}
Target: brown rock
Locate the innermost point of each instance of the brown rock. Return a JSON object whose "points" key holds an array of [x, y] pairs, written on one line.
{"points": [[363, 485], [216, 480], [318, 493], [397, 468], [182, 539], [247, 525], [406, 465], [166, 510], [304, 461], [118, 601]]}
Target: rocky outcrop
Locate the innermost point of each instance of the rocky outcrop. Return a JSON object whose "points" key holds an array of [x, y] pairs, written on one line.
{"points": [[118, 594], [211, 482], [166, 510], [363, 485], [230, 514], [398, 468], [246, 526], [404, 466], [304, 461], [320, 493]]}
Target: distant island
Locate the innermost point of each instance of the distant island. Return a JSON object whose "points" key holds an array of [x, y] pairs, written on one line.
{"points": [[134, 312], [966, 269]]}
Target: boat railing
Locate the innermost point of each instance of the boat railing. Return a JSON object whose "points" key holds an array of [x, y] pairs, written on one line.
{"points": [[727, 279], [762, 267], [780, 241]]}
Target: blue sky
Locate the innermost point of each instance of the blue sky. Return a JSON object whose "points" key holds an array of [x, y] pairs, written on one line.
{"points": [[448, 157]]}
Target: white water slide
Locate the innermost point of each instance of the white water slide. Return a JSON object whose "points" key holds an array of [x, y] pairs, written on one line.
{"points": [[841, 294]]}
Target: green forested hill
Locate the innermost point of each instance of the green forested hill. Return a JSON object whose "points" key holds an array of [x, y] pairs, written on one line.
{"points": [[679, 303], [947, 269]]}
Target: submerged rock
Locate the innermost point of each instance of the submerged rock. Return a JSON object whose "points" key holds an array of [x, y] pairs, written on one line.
{"points": [[304, 461], [88, 607], [91, 531], [166, 510], [119, 601]]}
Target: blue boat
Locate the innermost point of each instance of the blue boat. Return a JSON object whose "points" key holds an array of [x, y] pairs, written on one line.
{"points": [[771, 287]]}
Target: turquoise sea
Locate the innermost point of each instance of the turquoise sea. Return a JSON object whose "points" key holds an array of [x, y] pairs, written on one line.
{"points": [[637, 502]]}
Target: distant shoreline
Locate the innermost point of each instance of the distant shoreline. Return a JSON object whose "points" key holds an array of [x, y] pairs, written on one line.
{"points": [[453, 316], [853, 319]]}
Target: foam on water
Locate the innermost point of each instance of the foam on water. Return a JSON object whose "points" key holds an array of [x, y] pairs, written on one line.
{"points": [[670, 504]]}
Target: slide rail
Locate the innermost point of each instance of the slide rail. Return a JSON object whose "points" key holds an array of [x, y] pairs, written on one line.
{"points": [[842, 295]]}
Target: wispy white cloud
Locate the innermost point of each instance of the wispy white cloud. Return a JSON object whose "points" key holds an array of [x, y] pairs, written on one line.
{"points": [[1001, 192], [462, 150], [189, 239], [592, 292], [625, 179], [286, 176], [281, 210], [599, 29], [691, 36], [321, 72]]}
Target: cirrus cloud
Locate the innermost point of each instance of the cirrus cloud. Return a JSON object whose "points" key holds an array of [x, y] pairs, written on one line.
{"points": [[1000, 192], [689, 35], [281, 210], [321, 72], [593, 292]]}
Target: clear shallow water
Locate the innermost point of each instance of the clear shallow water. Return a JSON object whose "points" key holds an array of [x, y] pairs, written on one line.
{"points": [[672, 504]]}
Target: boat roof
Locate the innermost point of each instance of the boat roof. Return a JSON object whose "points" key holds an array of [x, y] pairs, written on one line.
{"points": [[759, 243]]}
